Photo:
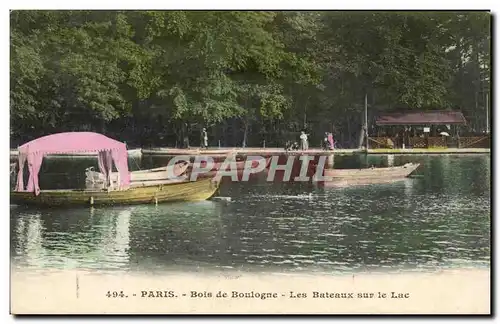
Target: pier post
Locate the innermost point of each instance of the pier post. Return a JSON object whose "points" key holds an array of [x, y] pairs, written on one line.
{"points": [[487, 116], [366, 121], [330, 161]]}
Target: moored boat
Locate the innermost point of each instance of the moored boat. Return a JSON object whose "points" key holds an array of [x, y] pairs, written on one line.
{"points": [[174, 191], [109, 152], [371, 173], [241, 166], [162, 173]]}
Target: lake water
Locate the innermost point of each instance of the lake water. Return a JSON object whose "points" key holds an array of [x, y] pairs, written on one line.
{"points": [[438, 219]]}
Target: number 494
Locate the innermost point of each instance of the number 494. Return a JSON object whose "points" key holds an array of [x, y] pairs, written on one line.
{"points": [[115, 294]]}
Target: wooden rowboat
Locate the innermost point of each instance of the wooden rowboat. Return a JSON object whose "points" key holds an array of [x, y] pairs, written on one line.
{"points": [[109, 152], [174, 191], [162, 173], [158, 173], [135, 184], [371, 173], [240, 165], [358, 182]]}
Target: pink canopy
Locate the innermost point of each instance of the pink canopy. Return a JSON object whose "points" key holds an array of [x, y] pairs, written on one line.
{"points": [[109, 150]]}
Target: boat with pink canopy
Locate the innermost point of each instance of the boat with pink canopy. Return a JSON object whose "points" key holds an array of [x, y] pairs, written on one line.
{"points": [[109, 152]]}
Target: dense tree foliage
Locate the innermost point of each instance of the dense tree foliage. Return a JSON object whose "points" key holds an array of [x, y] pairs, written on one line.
{"points": [[157, 77]]}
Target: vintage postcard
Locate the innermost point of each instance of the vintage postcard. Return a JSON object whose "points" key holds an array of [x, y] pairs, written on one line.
{"points": [[250, 162]]}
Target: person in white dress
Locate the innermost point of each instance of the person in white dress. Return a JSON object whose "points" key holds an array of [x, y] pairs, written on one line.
{"points": [[204, 138], [303, 141]]}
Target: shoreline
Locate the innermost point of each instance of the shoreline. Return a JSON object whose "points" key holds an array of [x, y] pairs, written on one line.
{"points": [[445, 291], [221, 152]]}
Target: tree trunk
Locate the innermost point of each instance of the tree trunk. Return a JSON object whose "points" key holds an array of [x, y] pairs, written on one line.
{"points": [[181, 138], [363, 132], [305, 116], [178, 134], [186, 135], [223, 133], [479, 87], [182, 135], [245, 131], [103, 126], [235, 132], [349, 130]]}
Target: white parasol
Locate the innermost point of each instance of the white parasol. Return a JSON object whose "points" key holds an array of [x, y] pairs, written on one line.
{"points": [[444, 134]]}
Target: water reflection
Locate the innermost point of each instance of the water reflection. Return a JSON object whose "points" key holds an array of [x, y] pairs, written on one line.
{"points": [[110, 238], [439, 218], [176, 235], [115, 240]]}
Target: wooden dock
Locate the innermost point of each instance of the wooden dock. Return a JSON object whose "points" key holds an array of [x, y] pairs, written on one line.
{"points": [[431, 151], [131, 153], [217, 152], [221, 152]]}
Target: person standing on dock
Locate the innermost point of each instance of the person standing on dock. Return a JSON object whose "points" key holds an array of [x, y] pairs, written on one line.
{"points": [[326, 145], [204, 138], [330, 141], [304, 145]]}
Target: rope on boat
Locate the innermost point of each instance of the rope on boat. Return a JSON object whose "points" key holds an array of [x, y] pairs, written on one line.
{"points": [[137, 164]]}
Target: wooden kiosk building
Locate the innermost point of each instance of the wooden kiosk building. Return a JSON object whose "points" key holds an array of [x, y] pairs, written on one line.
{"points": [[424, 129]]}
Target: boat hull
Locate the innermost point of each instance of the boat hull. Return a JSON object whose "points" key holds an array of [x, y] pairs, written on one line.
{"points": [[240, 168], [371, 173], [173, 192], [240, 165]]}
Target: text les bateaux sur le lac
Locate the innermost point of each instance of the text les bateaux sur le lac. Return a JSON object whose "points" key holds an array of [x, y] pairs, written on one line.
{"points": [[259, 295]]}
